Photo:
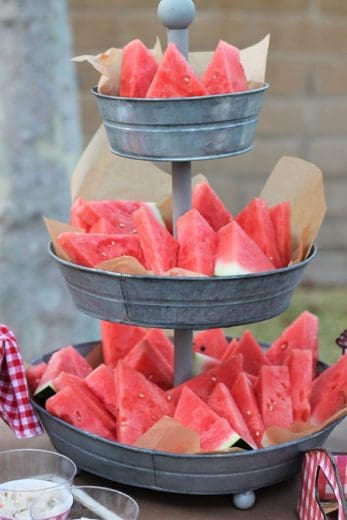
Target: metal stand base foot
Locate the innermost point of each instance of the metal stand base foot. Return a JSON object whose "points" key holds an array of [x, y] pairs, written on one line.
{"points": [[244, 500]]}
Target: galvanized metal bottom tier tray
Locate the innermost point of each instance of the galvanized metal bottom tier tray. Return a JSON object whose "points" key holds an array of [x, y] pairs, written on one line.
{"points": [[210, 474], [181, 303]]}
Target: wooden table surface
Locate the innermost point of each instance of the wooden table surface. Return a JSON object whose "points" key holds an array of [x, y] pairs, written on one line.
{"points": [[274, 503]]}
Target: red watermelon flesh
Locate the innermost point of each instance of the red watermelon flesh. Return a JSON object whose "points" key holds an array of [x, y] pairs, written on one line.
{"points": [[220, 436], [225, 72], [193, 412], [159, 340], [92, 249], [118, 339], [253, 355], [148, 360], [210, 206], [300, 373], [327, 405], [139, 402], [211, 342], [238, 254], [102, 225], [281, 221], [256, 221], [175, 77], [302, 333], [203, 363], [66, 359], [204, 384], [75, 218], [222, 402], [72, 406], [101, 382], [33, 375], [137, 70], [332, 380], [196, 243], [245, 398], [158, 245], [229, 352], [65, 379], [273, 392], [80, 385], [118, 212]]}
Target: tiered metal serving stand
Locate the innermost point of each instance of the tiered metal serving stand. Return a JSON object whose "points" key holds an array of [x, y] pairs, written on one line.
{"points": [[181, 130]]}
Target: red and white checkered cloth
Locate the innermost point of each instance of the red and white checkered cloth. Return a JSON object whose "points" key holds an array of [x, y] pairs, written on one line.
{"points": [[15, 407], [316, 462], [324, 488]]}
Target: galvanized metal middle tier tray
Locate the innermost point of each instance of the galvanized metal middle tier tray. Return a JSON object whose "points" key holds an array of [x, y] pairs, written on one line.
{"points": [[181, 129], [181, 302], [210, 474]]}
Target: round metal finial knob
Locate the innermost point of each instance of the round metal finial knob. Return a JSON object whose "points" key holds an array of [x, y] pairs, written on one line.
{"points": [[176, 14]]}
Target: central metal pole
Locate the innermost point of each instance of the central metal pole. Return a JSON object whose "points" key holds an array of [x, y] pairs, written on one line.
{"points": [[176, 16]]}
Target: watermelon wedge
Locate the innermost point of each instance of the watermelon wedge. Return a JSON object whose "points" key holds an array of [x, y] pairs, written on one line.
{"points": [[137, 70], [92, 249], [211, 342], [215, 433], [74, 407], [65, 379], [66, 359], [273, 392], [210, 206], [330, 382], [229, 352], [302, 333], [196, 243], [281, 221], [222, 402], [148, 360], [116, 212], [175, 77], [159, 340], [33, 375], [328, 404], [101, 383], [300, 373], [238, 254], [219, 437], [225, 72], [253, 355], [139, 402], [203, 384], [244, 396], [256, 221], [193, 412], [118, 339], [158, 245]]}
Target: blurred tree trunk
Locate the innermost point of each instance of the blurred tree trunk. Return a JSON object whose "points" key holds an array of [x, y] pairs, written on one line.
{"points": [[40, 142]]}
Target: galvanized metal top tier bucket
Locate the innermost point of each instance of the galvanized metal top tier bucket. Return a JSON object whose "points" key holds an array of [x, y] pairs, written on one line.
{"points": [[181, 302], [181, 129]]}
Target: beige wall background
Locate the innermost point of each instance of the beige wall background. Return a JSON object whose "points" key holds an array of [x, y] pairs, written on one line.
{"points": [[304, 112]]}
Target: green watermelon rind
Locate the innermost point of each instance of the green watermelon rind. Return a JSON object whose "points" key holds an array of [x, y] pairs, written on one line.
{"points": [[44, 392], [201, 363]]}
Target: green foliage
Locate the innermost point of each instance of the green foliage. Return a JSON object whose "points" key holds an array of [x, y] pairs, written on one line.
{"points": [[330, 305]]}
